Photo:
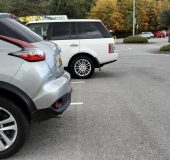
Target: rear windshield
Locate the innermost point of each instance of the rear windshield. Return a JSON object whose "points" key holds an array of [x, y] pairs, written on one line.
{"points": [[92, 30], [12, 28]]}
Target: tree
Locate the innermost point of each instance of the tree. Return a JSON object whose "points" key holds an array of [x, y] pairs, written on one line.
{"points": [[148, 13], [72, 8], [116, 14], [165, 20], [126, 10], [108, 12], [23, 7], [4, 5]]}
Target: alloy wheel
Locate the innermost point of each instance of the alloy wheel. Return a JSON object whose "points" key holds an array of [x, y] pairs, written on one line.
{"points": [[8, 129], [82, 67]]}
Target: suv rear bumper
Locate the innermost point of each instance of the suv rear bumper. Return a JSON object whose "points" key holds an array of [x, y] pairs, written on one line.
{"points": [[108, 58], [101, 65]]}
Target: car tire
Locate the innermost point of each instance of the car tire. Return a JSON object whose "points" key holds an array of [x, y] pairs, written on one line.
{"points": [[82, 67], [14, 131]]}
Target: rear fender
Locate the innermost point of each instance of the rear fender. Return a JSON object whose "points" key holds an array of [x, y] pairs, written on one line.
{"points": [[19, 97]]}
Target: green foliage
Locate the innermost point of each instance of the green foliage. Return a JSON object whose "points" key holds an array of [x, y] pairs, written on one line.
{"points": [[147, 14], [72, 8], [4, 5], [135, 39], [116, 14], [165, 48], [24, 7], [165, 18], [108, 12], [125, 9]]}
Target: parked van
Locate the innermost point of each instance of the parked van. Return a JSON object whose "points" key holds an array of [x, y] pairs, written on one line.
{"points": [[85, 44]]}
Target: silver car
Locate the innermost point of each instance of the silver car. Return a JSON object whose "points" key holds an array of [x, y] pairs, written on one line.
{"points": [[33, 83]]}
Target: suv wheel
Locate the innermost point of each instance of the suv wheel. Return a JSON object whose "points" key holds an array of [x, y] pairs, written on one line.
{"points": [[14, 128], [82, 67]]}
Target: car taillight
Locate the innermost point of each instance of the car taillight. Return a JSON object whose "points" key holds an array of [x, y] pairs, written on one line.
{"points": [[30, 54], [14, 17], [111, 48]]}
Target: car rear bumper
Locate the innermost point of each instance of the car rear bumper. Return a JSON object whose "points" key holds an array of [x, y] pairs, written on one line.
{"points": [[50, 112], [53, 91]]}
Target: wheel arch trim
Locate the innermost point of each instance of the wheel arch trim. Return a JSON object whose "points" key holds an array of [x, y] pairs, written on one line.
{"points": [[94, 59], [30, 107]]}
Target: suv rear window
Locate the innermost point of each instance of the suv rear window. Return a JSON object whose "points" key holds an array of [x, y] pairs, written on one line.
{"points": [[92, 30], [12, 28]]}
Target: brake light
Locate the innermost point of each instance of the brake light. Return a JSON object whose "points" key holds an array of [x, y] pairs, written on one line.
{"points": [[30, 54], [111, 48], [14, 17]]}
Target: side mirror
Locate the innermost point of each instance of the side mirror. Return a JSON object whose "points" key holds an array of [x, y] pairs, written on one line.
{"points": [[44, 36], [111, 32]]}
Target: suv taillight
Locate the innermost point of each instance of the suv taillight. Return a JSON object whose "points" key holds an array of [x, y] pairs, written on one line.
{"points": [[111, 48], [30, 54]]}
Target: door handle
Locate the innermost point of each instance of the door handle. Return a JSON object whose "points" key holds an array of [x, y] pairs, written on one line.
{"points": [[74, 45]]}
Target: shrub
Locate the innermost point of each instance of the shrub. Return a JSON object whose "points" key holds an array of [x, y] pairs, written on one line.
{"points": [[135, 39], [165, 48]]}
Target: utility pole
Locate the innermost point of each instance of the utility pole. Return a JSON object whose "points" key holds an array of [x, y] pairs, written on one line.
{"points": [[134, 16]]}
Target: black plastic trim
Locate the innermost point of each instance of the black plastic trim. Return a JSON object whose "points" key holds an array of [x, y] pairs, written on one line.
{"points": [[101, 65], [47, 113]]}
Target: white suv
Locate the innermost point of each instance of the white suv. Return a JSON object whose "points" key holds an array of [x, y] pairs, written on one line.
{"points": [[85, 44]]}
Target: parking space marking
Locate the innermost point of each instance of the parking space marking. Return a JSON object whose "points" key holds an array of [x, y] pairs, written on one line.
{"points": [[78, 82], [123, 49], [149, 54], [76, 103], [162, 54]]}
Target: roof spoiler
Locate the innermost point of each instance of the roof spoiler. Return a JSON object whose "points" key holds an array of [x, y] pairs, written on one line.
{"points": [[8, 15]]}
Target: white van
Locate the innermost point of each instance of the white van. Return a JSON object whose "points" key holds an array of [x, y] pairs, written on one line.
{"points": [[85, 44]]}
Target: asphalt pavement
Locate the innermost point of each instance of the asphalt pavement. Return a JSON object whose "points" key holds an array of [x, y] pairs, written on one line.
{"points": [[121, 113]]}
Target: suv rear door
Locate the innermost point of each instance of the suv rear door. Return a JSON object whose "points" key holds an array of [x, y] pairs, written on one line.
{"points": [[65, 35]]}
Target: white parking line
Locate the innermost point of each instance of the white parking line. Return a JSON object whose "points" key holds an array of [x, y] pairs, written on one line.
{"points": [[78, 82], [77, 103], [162, 54], [123, 49]]}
